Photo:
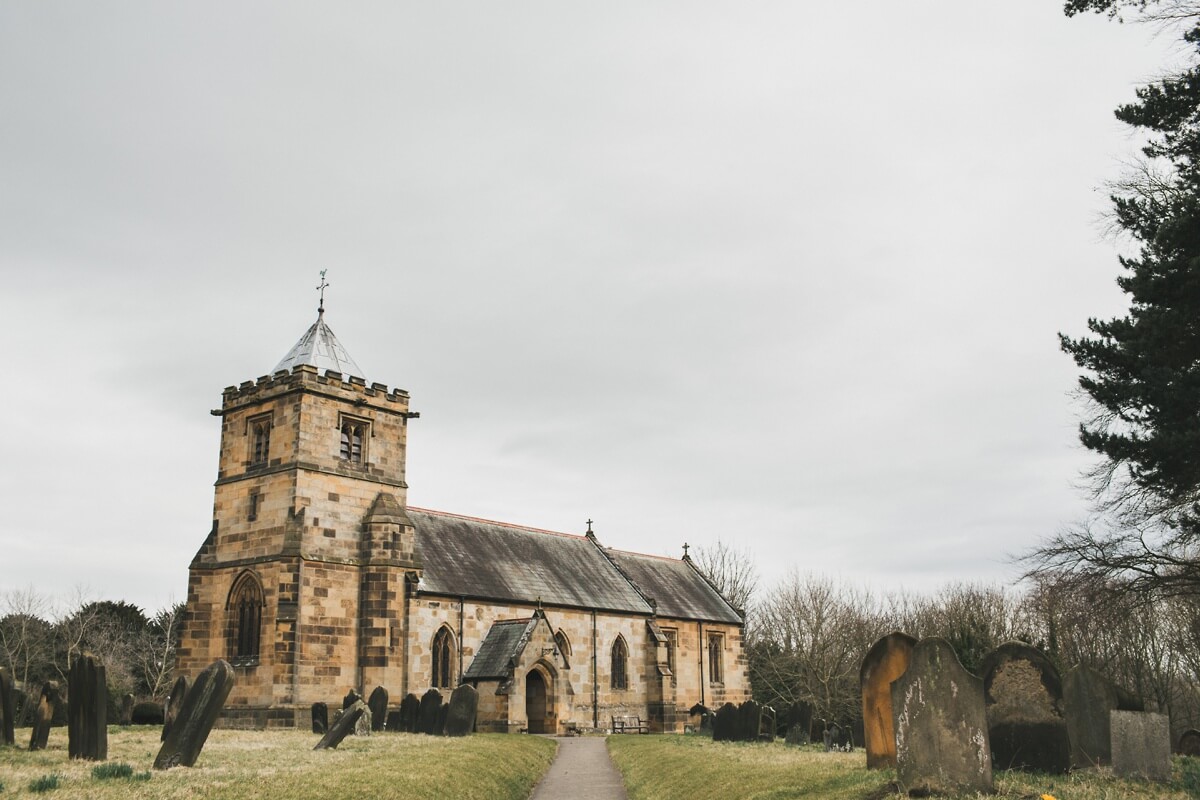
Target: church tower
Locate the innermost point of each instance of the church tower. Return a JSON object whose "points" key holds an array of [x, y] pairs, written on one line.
{"points": [[304, 580]]}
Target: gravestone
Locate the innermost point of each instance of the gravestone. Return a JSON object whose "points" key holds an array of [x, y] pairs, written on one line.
{"points": [[940, 723], [8, 711], [174, 702], [835, 737], [147, 712], [768, 724], [87, 709], [378, 705], [799, 723], [394, 722], [703, 718], [460, 717], [1189, 743], [1141, 745], [749, 719], [427, 719], [410, 713], [1024, 703], [440, 727], [127, 709], [343, 724], [351, 698], [884, 662], [363, 726], [725, 723], [201, 706], [43, 715], [1089, 699], [320, 718]]}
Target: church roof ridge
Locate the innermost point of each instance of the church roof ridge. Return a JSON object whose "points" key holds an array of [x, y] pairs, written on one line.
{"points": [[512, 525], [619, 551]]}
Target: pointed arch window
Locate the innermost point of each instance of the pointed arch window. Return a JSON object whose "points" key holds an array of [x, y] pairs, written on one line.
{"points": [[245, 619], [443, 659], [260, 439], [564, 647], [716, 661], [620, 664], [354, 433]]}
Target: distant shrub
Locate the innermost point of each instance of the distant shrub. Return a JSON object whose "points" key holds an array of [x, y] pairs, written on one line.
{"points": [[45, 783], [102, 772]]}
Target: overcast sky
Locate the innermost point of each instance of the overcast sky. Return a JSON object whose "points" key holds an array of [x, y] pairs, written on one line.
{"points": [[784, 274]]}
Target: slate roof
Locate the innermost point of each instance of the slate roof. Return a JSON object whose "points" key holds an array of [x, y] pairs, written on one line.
{"points": [[499, 649], [464, 556], [318, 347], [677, 588]]}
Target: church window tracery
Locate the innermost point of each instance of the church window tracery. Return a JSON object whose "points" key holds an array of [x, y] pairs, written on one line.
{"points": [[620, 664], [260, 439], [716, 649], [245, 619], [443, 659], [354, 434]]}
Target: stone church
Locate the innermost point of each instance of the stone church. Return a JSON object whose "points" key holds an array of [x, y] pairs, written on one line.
{"points": [[318, 577]]}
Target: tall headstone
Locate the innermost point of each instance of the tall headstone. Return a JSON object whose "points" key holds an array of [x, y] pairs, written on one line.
{"points": [[1089, 698], [342, 726], [201, 707], [363, 727], [127, 703], [464, 704], [1189, 743], [1141, 745], [749, 718], [174, 702], [87, 709], [410, 713], [43, 715], [1024, 702], [378, 705], [431, 703], [940, 723], [320, 718], [725, 723], [8, 711], [886, 660]]}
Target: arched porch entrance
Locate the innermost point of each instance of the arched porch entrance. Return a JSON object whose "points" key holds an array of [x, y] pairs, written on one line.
{"points": [[539, 702]]}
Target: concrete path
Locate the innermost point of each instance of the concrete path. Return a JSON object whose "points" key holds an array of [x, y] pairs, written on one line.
{"points": [[581, 770]]}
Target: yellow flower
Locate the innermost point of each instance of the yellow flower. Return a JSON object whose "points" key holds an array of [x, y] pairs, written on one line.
{"points": [[1047, 797]]}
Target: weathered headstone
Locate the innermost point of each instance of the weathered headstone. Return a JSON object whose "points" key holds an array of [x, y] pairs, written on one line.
{"points": [[363, 726], [427, 719], [767, 725], [43, 715], [799, 723], [410, 713], [320, 718], [1089, 699], [725, 723], [351, 698], [940, 723], [439, 729], [1024, 703], [884, 662], [172, 705], [127, 709], [343, 724], [201, 707], [748, 721], [1189, 743], [378, 705], [8, 711], [87, 709], [460, 717], [394, 721], [1141, 745], [702, 717]]}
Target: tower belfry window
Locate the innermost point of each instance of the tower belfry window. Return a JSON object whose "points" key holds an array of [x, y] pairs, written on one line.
{"points": [[260, 439], [354, 434]]}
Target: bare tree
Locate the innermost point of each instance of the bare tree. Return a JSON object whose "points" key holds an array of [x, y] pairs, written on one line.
{"points": [[26, 638], [731, 571], [156, 650]]}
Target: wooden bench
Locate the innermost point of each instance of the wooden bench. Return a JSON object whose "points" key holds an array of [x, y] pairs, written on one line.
{"points": [[629, 724]]}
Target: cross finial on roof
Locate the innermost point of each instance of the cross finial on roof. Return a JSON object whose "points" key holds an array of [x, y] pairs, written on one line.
{"points": [[589, 530], [685, 549], [321, 288]]}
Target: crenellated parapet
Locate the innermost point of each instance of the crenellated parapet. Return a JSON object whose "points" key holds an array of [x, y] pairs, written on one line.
{"points": [[306, 377]]}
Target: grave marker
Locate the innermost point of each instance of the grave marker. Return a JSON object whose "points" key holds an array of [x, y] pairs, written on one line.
{"points": [[885, 662], [1141, 745], [378, 705], [343, 724], [8, 711], [201, 706], [87, 709], [174, 702], [431, 703], [320, 718], [460, 716], [43, 715], [1024, 702], [410, 713], [725, 723]]}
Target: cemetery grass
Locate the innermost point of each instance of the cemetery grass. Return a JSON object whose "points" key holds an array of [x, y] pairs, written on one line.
{"points": [[237, 765], [696, 768]]}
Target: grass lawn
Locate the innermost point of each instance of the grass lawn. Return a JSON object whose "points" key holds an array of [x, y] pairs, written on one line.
{"points": [[282, 764], [696, 768]]}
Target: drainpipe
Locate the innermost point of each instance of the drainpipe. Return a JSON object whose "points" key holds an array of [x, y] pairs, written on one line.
{"points": [[595, 687], [461, 601], [702, 649]]}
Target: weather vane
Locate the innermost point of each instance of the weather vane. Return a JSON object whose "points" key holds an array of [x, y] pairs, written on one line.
{"points": [[321, 287]]}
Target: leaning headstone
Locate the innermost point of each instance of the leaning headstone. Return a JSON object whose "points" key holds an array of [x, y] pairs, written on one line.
{"points": [[1141, 745], [201, 707], [884, 662], [410, 713], [749, 719], [460, 716], [320, 718], [363, 726], [87, 709], [1089, 699], [725, 723], [427, 719], [940, 723], [43, 715], [7, 708], [378, 705], [172, 705], [1024, 703], [127, 709], [343, 724], [350, 699], [1189, 743]]}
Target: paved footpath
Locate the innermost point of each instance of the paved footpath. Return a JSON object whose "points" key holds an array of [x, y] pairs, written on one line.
{"points": [[581, 770]]}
